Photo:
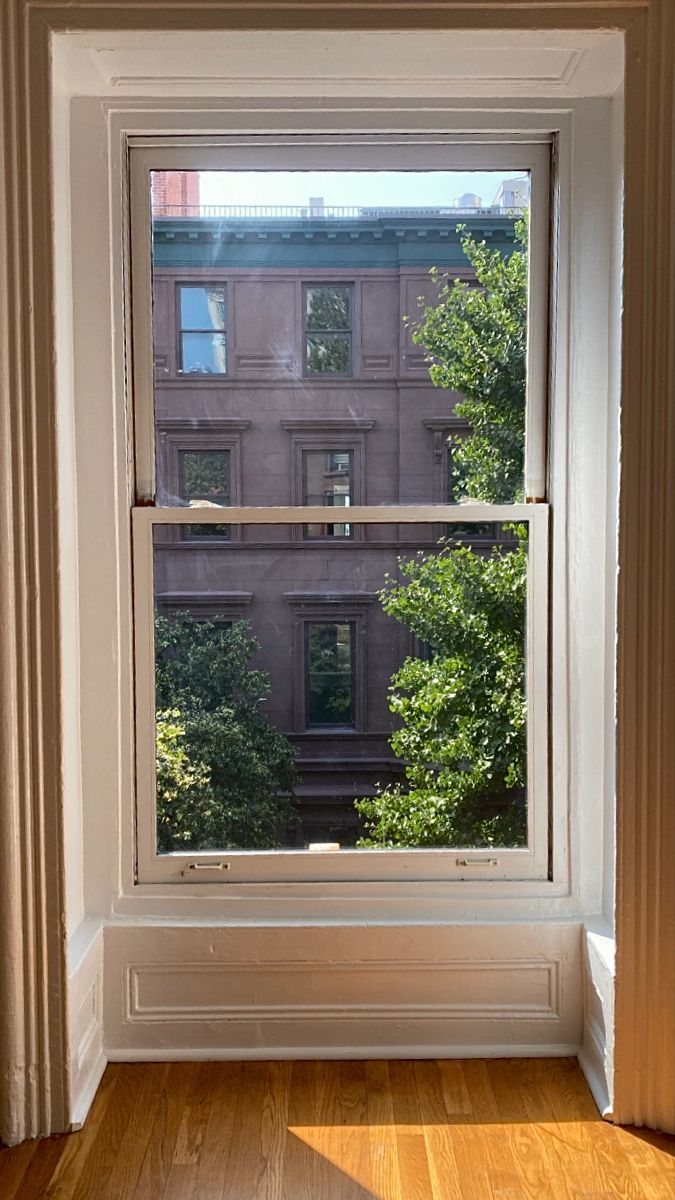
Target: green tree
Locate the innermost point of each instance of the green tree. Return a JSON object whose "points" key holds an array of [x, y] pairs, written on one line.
{"points": [[224, 774], [462, 709]]}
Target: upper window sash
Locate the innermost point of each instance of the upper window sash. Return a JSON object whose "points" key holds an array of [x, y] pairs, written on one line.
{"points": [[356, 152]]}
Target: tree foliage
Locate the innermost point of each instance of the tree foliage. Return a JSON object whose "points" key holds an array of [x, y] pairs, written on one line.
{"points": [[224, 774], [462, 708], [475, 339]]}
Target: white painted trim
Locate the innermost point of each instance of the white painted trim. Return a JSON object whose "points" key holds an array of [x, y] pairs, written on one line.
{"points": [[323, 1053]]}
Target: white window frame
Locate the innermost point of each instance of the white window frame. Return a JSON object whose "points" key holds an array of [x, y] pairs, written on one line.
{"points": [[438, 152]]}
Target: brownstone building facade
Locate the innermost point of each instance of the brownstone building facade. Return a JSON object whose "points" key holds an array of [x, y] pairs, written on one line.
{"points": [[286, 374]]}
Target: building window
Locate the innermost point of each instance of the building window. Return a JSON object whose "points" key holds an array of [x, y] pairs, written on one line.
{"points": [[327, 481], [328, 460], [328, 329], [199, 465], [329, 673], [205, 479], [202, 330]]}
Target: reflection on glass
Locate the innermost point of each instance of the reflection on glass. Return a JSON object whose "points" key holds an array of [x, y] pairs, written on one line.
{"points": [[330, 668], [374, 697], [205, 478], [202, 310], [327, 482]]}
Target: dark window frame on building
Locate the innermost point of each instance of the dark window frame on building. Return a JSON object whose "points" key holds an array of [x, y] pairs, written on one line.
{"points": [[181, 330], [328, 434], [324, 609], [176, 436], [346, 333]]}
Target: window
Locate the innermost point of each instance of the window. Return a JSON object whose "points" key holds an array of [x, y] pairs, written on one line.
{"points": [[202, 336], [358, 684], [329, 673], [327, 481], [199, 466], [205, 479], [328, 330]]}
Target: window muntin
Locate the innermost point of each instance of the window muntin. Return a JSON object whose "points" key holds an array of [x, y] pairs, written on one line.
{"points": [[201, 329], [373, 532], [329, 673], [327, 477], [328, 329]]}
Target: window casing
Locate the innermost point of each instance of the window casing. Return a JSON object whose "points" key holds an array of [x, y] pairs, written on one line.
{"points": [[451, 863]]}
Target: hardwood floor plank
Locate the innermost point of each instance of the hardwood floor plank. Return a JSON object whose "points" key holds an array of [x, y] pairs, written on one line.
{"points": [[385, 1168], [169, 1109], [246, 1165], [122, 1178], [410, 1140], [211, 1170], [13, 1166], [301, 1160], [439, 1137], [78, 1146]]}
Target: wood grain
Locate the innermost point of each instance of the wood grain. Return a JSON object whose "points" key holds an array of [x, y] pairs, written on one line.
{"points": [[510, 1129]]}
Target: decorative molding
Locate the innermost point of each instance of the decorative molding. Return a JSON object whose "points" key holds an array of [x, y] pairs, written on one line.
{"points": [[304, 600], [201, 425], [534, 985], [324, 425], [34, 1090], [644, 1085]]}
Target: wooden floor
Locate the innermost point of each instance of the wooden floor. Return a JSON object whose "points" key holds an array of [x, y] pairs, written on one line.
{"points": [[435, 1130]]}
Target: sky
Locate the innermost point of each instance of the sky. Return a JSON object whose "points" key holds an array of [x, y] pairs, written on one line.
{"points": [[349, 188]]}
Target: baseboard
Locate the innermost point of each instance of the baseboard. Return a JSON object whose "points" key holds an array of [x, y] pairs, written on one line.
{"points": [[308, 1053], [88, 1088], [85, 1028]]}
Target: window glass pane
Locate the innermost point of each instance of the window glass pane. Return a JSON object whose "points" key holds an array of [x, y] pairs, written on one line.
{"points": [[385, 299], [202, 307], [373, 696], [329, 665], [328, 354], [327, 476], [203, 353], [328, 308], [206, 475]]}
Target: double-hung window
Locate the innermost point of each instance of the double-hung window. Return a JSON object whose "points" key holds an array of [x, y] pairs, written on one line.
{"points": [[386, 666], [328, 329]]}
